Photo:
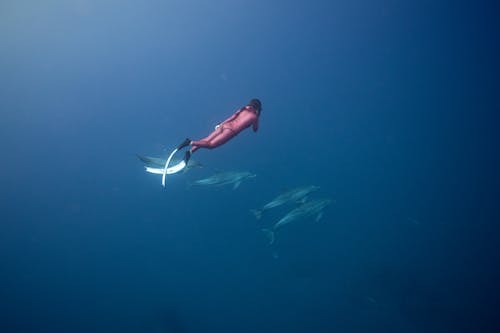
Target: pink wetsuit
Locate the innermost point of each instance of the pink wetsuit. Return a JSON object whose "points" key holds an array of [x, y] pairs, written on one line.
{"points": [[241, 119]]}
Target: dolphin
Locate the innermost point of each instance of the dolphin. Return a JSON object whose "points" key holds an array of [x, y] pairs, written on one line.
{"points": [[308, 209], [296, 195], [225, 178], [155, 163]]}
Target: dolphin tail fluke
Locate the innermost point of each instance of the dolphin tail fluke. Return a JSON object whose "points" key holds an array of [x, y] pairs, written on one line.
{"points": [[269, 234], [257, 213], [143, 158]]}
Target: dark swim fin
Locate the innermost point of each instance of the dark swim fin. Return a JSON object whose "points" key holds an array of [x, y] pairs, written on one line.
{"points": [[187, 156], [185, 143]]}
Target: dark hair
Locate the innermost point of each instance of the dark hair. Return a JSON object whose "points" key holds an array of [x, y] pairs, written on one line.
{"points": [[256, 104]]}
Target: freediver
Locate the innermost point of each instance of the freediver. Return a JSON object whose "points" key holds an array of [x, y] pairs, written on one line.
{"points": [[242, 119]]}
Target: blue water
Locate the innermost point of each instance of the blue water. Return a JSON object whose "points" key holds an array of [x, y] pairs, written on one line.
{"points": [[389, 106]]}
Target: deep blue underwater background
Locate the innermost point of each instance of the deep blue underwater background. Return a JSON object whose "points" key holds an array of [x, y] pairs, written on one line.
{"points": [[389, 106]]}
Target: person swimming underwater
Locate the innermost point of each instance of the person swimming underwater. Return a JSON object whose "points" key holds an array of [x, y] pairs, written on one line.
{"points": [[243, 118]]}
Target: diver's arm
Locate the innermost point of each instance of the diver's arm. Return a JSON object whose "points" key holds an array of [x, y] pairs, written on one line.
{"points": [[233, 117], [255, 125]]}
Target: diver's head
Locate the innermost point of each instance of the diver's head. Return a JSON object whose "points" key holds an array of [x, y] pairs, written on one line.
{"points": [[256, 104]]}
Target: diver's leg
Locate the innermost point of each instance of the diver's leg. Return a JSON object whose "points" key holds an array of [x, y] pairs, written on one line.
{"points": [[217, 138], [205, 142], [221, 139]]}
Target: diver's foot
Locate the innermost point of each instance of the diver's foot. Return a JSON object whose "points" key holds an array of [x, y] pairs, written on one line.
{"points": [[185, 143], [187, 156]]}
